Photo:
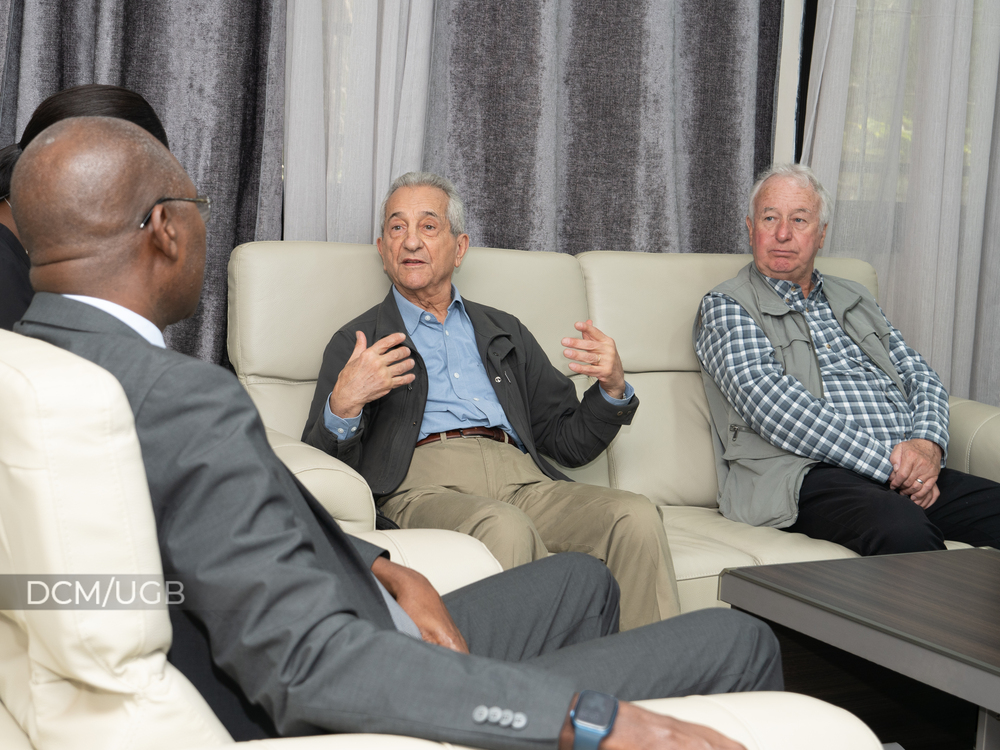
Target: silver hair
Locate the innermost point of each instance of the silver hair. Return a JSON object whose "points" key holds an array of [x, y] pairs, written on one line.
{"points": [[456, 209], [802, 175]]}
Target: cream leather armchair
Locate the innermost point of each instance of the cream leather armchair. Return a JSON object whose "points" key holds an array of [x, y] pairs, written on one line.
{"points": [[286, 299], [74, 502]]}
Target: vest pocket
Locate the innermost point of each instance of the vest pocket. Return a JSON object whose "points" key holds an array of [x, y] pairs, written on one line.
{"points": [[743, 443]]}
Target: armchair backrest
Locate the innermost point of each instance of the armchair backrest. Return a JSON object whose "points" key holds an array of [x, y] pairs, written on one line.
{"points": [[286, 299], [74, 504]]}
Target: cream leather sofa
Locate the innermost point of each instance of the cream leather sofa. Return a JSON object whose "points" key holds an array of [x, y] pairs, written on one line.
{"points": [[74, 501], [287, 298]]}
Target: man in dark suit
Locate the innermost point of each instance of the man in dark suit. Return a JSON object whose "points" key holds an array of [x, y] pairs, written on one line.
{"points": [[290, 626]]}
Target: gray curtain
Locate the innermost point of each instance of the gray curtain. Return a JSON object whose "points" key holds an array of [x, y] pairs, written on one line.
{"points": [[903, 125], [214, 73], [574, 125]]}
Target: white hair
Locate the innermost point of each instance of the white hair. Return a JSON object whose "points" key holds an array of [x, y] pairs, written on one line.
{"points": [[456, 209], [802, 175]]}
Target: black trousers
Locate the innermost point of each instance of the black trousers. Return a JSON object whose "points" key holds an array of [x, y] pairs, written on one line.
{"points": [[865, 516]]}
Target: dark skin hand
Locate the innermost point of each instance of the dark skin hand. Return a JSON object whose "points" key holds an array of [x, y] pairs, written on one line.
{"points": [[638, 729], [421, 602]]}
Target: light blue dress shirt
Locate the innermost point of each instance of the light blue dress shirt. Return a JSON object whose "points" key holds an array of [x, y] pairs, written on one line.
{"points": [[459, 392]]}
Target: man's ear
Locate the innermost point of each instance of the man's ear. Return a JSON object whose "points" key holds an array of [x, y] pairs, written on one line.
{"points": [[378, 246], [163, 231], [463, 247]]}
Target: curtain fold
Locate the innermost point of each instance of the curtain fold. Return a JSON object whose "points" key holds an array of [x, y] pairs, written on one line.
{"points": [[902, 125], [571, 125], [357, 82], [214, 74]]}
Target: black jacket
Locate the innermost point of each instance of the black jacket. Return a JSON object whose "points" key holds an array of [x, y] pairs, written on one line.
{"points": [[539, 401]]}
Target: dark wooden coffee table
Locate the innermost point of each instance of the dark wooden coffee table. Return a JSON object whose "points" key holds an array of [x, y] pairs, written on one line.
{"points": [[932, 616]]}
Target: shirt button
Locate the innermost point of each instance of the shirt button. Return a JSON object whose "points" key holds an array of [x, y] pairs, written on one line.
{"points": [[340, 430], [475, 399], [447, 334], [495, 713], [520, 721], [506, 718], [428, 317], [456, 374], [479, 714], [828, 346], [354, 429]]}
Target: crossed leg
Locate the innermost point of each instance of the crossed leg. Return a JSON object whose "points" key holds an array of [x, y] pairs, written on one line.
{"points": [[559, 615]]}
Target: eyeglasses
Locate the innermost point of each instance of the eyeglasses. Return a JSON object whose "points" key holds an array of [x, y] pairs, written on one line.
{"points": [[204, 207]]}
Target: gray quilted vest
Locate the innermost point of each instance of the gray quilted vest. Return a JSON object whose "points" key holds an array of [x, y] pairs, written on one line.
{"points": [[759, 482]]}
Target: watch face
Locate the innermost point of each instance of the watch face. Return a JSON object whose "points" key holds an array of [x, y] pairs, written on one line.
{"points": [[595, 709]]}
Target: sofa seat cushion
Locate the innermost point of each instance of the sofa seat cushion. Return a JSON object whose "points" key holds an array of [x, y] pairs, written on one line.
{"points": [[762, 544]]}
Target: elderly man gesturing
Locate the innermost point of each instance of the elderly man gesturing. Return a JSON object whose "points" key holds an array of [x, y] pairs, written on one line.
{"points": [[445, 407]]}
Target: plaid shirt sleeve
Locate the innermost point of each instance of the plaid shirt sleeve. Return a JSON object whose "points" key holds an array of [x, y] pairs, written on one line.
{"points": [[925, 392], [736, 353]]}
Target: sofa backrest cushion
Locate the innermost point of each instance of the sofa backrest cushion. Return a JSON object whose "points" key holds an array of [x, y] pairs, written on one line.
{"points": [[648, 304], [74, 502], [285, 304]]}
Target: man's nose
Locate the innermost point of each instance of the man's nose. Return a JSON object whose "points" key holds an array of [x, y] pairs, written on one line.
{"points": [[784, 230], [412, 239]]}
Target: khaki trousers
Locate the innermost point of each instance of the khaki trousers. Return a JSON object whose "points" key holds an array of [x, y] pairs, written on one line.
{"points": [[492, 491]]}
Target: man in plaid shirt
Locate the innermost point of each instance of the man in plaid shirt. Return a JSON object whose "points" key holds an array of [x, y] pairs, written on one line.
{"points": [[826, 422]]}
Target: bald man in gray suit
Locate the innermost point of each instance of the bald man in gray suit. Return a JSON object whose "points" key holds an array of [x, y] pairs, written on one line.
{"points": [[290, 626]]}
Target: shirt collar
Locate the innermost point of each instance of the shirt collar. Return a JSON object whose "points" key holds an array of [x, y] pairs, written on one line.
{"points": [[784, 287], [411, 313], [133, 320]]}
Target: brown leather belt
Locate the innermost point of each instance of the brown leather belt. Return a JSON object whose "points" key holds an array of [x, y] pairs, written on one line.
{"points": [[493, 433]]}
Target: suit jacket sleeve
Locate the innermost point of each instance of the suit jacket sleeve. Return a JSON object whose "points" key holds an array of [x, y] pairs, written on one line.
{"points": [[299, 623]]}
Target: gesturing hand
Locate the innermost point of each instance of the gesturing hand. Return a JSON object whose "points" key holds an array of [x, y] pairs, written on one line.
{"points": [[422, 603], [597, 356], [371, 373], [915, 468]]}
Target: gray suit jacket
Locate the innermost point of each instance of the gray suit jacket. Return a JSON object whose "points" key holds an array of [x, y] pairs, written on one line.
{"points": [[284, 597]]}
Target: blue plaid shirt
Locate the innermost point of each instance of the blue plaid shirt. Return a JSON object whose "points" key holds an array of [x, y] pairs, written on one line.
{"points": [[862, 414]]}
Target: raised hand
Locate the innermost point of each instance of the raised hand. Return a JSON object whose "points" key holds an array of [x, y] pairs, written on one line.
{"points": [[597, 356], [370, 373]]}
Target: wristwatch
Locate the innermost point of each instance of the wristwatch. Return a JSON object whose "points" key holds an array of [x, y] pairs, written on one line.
{"points": [[592, 718]]}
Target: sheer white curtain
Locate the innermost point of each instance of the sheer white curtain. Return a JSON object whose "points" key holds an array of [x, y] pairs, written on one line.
{"points": [[356, 100], [902, 124]]}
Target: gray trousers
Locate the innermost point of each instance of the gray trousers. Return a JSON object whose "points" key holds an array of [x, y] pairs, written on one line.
{"points": [[560, 615], [497, 494]]}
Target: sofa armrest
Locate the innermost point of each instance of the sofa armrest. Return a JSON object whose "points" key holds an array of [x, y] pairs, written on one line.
{"points": [[761, 721], [338, 487], [974, 445], [772, 721], [449, 560]]}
